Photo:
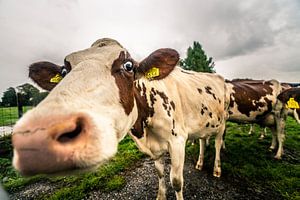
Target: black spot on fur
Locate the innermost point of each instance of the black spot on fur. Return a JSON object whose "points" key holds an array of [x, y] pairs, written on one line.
{"points": [[202, 111], [208, 91]]}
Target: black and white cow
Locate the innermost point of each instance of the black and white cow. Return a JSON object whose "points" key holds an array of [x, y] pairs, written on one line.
{"points": [[104, 94]]}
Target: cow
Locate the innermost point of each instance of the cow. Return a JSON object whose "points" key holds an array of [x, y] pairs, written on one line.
{"points": [[101, 94], [253, 101], [291, 112], [288, 104]]}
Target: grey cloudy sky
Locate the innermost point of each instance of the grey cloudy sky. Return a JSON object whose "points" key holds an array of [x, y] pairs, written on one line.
{"points": [[257, 39]]}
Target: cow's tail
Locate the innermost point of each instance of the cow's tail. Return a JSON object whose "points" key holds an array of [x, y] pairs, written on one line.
{"points": [[296, 116]]}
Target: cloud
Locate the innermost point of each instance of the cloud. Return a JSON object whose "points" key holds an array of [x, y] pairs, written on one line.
{"points": [[256, 39]]}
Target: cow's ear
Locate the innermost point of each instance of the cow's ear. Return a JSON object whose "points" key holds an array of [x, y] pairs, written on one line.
{"points": [[158, 64], [47, 75]]}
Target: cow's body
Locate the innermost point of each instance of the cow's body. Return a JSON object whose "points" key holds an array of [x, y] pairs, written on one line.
{"points": [[255, 101], [185, 105], [105, 95]]}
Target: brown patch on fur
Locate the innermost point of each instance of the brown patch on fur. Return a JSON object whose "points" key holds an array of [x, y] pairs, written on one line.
{"points": [[199, 90], [248, 91], [285, 96], [124, 81], [144, 111], [164, 59], [42, 72], [166, 103], [173, 128], [173, 105]]}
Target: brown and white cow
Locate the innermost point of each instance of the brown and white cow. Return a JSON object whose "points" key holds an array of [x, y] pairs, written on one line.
{"points": [[288, 104], [104, 95], [291, 112], [253, 101]]}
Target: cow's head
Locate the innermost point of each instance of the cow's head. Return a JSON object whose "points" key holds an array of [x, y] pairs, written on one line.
{"points": [[90, 108]]}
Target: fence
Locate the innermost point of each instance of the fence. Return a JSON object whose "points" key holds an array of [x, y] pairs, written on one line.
{"points": [[9, 116]]}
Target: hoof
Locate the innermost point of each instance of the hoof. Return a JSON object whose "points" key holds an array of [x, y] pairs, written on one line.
{"points": [[261, 137], [199, 166], [277, 157], [271, 148], [217, 174]]}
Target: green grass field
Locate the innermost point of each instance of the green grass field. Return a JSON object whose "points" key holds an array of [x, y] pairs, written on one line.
{"points": [[246, 158], [9, 115]]}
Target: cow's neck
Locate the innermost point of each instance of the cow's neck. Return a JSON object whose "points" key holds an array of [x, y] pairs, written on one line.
{"points": [[145, 110]]}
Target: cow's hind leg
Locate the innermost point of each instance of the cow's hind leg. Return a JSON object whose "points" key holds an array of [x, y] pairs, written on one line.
{"points": [[199, 164], [159, 165], [280, 138], [177, 153], [218, 145], [274, 139]]}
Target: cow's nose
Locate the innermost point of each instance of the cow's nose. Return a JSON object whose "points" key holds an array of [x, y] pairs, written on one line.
{"points": [[43, 146], [69, 133]]}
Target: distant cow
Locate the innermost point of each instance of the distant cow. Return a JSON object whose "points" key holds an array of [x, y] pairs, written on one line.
{"points": [[253, 101], [291, 112], [102, 94], [288, 103]]}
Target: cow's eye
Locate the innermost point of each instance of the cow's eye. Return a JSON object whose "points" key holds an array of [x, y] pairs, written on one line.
{"points": [[64, 72], [128, 66]]}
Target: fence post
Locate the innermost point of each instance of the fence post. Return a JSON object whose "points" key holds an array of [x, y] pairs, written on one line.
{"points": [[20, 106]]}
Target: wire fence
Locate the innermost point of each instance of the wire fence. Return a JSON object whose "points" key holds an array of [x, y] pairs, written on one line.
{"points": [[9, 116]]}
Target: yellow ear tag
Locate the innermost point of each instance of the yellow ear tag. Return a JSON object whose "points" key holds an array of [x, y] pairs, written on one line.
{"points": [[152, 73], [292, 103], [56, 79]]}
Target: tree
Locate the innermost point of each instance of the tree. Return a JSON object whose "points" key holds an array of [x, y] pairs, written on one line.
{"points": [[9, 98], [197, 60], [30, 95], [38, 98], [27, 93]]}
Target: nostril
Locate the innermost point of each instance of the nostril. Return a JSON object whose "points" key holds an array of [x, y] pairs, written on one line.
{"points": [[70, 136]]}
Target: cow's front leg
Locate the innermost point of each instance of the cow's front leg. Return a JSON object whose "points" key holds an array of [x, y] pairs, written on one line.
{"points": [[263, 133], [159, 165], [177, 153], [199, 164], [250, 130]]}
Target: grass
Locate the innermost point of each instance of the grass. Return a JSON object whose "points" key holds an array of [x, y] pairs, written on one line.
{"points": [[246, 158], [9, 115]]}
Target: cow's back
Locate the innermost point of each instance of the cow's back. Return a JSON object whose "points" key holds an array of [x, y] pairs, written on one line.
{"points": [[251, 100]]}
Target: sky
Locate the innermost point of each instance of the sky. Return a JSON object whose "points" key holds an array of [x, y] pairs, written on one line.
{"points": [[247, 39]]}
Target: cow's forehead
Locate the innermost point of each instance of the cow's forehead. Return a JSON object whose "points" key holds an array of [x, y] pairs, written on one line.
{"points": [[104, 50]]}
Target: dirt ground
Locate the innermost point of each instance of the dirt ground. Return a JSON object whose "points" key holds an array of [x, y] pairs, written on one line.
{"points": [[142, 183]]}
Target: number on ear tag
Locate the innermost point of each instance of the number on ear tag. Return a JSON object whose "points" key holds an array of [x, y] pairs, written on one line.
{"points": [[152, 73], [56, 79], [292, 103]]}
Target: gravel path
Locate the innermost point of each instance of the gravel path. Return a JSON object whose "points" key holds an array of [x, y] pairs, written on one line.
{"points": [[142, 183]]}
